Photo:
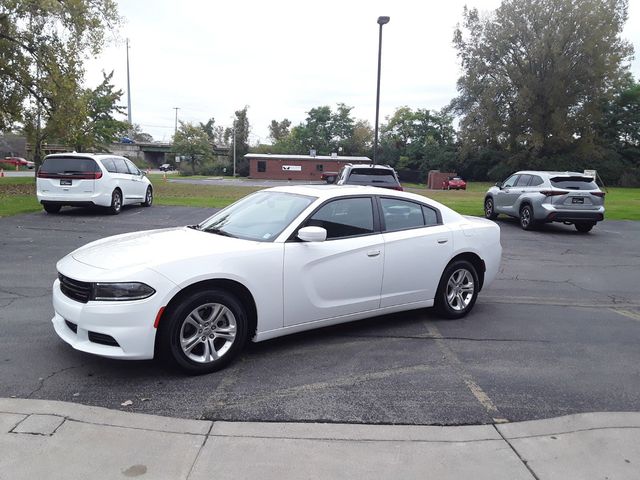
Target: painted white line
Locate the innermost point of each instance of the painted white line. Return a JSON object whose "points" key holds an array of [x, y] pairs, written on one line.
{"points": [[468, 380], [627, 313]]}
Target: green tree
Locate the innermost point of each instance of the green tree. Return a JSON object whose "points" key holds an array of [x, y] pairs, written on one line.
{"points": [[97, 128], [278, 131], [192, 142], [536, 72], [43, 45]]}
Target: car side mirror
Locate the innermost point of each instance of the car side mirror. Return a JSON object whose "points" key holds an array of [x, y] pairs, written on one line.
{"points": [[312, 234], [499, 185]]}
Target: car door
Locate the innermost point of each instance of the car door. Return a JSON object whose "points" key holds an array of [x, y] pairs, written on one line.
{"points": [[417, 248], [507, 195], [137, 182], [341, 275]]}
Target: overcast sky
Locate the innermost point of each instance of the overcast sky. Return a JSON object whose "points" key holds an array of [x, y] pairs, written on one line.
{"points": [[284, 57]]}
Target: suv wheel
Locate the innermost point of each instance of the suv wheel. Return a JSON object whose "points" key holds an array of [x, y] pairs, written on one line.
{"points": [[116, 202], [526, 218], [489, 209], [584, 227]]}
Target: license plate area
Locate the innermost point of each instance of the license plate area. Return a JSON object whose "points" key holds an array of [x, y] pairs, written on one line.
{"points": [[579, 200], [65, 181]]}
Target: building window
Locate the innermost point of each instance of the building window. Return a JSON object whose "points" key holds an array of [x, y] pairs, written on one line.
{"points": [[262, 166], [319, 167]]}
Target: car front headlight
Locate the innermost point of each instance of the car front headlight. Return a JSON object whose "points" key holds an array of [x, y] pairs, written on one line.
{"points": [[121, 291]]}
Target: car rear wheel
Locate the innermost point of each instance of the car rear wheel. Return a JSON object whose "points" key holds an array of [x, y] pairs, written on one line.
{"points": [[148, 198], [204, 332], [489, 209], [458, 290], [526, 218], [50, 208], [584, 227], [116, 202]]}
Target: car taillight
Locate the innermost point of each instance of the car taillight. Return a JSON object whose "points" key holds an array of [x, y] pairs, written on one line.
{"points": [[553, 193], [75, 176], [598, 194]]}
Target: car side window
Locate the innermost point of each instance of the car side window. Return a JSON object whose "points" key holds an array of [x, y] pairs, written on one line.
{"points": [[430, 216], [121, 166], [132, 168], [535, 181], [511, 181], [345, 217], [401, 214], [523, 181], [109, 165]]}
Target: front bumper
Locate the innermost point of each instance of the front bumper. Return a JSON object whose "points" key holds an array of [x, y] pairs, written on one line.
{"points": [[130, 324]]}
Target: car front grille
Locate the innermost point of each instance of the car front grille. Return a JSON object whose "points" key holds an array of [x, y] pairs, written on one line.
{"points": [[74, 289]]}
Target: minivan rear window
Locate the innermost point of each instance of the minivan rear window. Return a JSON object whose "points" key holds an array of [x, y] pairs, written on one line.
{"points": [[574, 183], [69, 165], [371, 175]]}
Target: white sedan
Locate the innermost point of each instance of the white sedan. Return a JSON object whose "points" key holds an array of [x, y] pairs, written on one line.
{"points": [[276, 262]]}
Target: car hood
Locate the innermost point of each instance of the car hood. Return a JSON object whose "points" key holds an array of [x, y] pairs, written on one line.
{"points": [[154, 247]]}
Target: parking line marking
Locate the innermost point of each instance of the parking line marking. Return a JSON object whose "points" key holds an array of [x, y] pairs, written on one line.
{"points": [[560, 302], [627, 313], [468, 380]]}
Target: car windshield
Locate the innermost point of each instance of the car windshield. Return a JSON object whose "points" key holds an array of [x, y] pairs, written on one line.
{"points": [[261, 216], [574, 183], [69, 165]]}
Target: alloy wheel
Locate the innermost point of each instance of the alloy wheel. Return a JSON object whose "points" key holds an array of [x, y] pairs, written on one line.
{"points": [[208, 332], [460, 289]]}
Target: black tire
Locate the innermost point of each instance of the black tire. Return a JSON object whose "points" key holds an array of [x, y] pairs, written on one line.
{"points": [[116, 202], [217, 310], [50, 208], [489, 209], [527, 221], [458, 289], [584, 227], [148, 197]]}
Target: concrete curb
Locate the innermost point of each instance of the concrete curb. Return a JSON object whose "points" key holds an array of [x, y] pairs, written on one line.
{"points": [[51, 439]]}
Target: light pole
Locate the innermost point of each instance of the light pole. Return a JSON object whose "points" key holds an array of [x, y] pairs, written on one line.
{"points": [[128, 91], [234, 149], [175, 130], [381, 21]]}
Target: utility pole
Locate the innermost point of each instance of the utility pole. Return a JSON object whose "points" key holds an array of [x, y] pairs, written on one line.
{"points": [[128, 89], [381, 21], [175, 130]]}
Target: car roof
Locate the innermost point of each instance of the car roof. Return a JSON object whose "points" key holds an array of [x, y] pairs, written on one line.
{"points": [[95, 156], [364, 165], [549, 173]]}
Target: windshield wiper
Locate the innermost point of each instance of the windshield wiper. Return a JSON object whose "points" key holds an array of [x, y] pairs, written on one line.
{"points": [[218, 231], [195, 227]]}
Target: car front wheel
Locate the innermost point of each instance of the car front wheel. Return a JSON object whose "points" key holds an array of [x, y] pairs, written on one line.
{"points": [[526, 218], [458, 290], [148, 198], [489, 209], [204, 332]]}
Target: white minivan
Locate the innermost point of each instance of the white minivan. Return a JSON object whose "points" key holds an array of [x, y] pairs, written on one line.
{"points": [[84, 179]]}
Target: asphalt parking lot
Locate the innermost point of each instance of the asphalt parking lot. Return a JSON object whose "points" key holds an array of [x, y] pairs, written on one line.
{"points": [[557, 333]]}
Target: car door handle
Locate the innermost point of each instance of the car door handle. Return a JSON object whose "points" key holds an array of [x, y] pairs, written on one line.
{"points": [[443, 240], [373, 253]]}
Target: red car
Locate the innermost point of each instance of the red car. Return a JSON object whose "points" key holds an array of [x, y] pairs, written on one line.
{"points": [[16, 161], [454, 183]]}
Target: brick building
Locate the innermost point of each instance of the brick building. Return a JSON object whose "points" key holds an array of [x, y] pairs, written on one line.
{"points": [[296, 167]]}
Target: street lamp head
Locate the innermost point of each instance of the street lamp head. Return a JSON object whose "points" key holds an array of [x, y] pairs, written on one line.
{"points": [[383, 20]]}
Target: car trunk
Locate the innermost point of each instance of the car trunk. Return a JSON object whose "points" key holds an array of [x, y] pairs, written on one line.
{"points": [[576, 192], [68, 176]]}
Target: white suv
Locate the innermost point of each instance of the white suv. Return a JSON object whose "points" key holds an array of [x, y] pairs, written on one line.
{"points": [[84, 179]]}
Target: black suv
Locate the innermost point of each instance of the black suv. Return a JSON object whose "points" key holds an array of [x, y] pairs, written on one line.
{"points": [[373, 175]]}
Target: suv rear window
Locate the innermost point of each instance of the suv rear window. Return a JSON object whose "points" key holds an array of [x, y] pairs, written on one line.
{"points": [[574, 183], [372, 176], [69, 165]]}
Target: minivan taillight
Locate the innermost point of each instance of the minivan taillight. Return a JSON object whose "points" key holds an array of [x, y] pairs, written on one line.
{"points": [[598, 194], [76, 176], [553, 193]]}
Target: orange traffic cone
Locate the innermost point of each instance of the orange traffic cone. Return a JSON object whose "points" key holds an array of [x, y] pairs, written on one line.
{"points": [[1, 172]]}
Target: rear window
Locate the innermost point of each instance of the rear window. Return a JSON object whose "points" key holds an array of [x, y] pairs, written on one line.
{"points": [[574, 183], [372, 175], [69, 165]]}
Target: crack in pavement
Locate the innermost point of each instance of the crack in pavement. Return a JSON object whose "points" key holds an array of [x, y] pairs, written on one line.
{"points": [[428, 336], [43, 380], [517, 454]]}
